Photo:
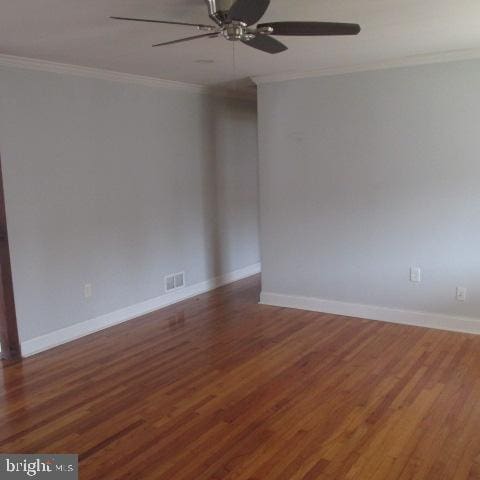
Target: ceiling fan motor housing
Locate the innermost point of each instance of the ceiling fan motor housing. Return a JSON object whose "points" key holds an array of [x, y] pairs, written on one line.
{"points": [[236, 31]]}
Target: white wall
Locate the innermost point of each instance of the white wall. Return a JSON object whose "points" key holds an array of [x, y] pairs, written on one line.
{"points": [[119, 185], [363, 176]]}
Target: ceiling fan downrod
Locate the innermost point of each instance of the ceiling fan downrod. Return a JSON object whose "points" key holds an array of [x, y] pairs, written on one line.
{"points": [[218, 10]]}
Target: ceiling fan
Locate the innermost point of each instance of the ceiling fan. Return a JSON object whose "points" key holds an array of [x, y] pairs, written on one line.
{"points": [[234, 18]]}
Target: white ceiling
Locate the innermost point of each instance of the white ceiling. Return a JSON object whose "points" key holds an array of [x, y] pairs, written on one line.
{"points": [[79, 32]]}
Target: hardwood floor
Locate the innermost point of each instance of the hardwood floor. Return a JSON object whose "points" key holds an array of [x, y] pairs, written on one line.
{"points": [[219, 387]]}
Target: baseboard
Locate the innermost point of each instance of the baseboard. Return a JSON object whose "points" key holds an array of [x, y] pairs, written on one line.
{"points": [[372, 312], [59, 337]]}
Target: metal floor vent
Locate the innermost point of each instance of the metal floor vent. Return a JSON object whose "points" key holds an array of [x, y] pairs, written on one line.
{"points": [[174, 281]]}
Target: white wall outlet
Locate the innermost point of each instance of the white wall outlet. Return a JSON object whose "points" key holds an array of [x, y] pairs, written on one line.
{"points": [[415, 275], [87, 290], [461, 294]]}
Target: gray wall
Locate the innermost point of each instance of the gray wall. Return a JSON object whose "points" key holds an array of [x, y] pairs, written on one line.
{"points": [[363, 176], [119, 185]]}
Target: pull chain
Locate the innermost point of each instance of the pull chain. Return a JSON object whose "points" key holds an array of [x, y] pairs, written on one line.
{"points": [[234, 66]]}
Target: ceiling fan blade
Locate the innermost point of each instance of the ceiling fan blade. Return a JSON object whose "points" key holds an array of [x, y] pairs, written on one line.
{"points": [[266, 44], [310, 28], [199, 25], [248, 11], [187, 39]]}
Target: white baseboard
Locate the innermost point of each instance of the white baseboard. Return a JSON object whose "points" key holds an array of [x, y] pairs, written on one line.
{"points": [[59, 337], [372, 312]]}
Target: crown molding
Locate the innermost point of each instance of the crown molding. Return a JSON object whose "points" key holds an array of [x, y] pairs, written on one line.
{"points": [[109, 75], [414, 60]]}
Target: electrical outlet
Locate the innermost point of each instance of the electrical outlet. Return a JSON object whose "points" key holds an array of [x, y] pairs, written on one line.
{"points": [[87, 290], [415, 275], [461, 294]]}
